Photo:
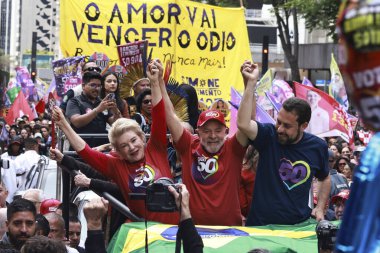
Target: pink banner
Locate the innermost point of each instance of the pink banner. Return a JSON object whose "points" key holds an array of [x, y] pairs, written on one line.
{"points": [[328, 117]]}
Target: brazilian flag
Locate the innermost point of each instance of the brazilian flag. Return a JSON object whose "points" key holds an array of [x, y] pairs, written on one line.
{"points": [[218, 239]]}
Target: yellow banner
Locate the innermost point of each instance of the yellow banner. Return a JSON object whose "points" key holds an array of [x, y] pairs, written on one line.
{"points": [[206, 44]]}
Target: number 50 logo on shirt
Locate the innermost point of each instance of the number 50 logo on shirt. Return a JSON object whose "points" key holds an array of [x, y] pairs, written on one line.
{"points": [[204, 168]]}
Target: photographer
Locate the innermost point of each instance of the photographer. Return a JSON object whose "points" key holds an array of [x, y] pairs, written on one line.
{"points": [[192, 242]]}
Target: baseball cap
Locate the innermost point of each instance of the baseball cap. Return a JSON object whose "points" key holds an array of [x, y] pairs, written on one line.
{"points": [[20, 120], [343, 195], [15, 140], [49, 206], [210, 115], [37, 135]]}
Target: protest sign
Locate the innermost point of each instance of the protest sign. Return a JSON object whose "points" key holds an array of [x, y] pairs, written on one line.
{"points": [[101, 60], [63, 70], [337, 89], [328, 117], [206, 44], [132, 57]]}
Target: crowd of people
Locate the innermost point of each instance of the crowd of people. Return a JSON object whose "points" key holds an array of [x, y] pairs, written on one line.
{"points": [[263, 174]]}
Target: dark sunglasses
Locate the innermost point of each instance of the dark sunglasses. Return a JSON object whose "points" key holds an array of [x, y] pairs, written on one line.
{"points": [[342, 164], [147, 101], [97, 69]]}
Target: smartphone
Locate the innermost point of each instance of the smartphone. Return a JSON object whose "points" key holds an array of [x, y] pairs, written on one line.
{"points": [[110, 96]]}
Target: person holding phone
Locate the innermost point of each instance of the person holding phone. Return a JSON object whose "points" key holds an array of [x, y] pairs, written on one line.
{"points": [[88, 113], [110, 89]]}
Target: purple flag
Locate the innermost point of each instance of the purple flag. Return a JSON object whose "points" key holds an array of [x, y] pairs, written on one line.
{"points": [[23, 76], [4, 134], [235, 102], [276, 105], [261, 115], [307, 82], [52, 87]]}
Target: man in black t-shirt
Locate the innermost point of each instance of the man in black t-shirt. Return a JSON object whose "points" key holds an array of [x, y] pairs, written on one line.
{"points": [[87, 113]]}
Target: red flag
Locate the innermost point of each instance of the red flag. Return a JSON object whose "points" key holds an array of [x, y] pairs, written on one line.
{"points": [[40, 107], [19, 108], [328, 117], [52, 103]]}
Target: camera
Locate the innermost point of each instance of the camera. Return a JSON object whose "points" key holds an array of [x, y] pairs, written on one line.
{"points": [[157, 196], [326, 234]]}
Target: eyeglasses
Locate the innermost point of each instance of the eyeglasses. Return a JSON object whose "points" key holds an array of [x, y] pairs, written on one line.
{"points": [[94, 85], [342, 164], [97, 69], [147, 101]]}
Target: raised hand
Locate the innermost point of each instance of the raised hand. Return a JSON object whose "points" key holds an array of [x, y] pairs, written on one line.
{"points": [[160, 68], [94, 211], [250, 72], [153, 71]]}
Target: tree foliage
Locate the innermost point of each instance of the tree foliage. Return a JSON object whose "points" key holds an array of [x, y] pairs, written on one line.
{"points": [[319, 14], [287, 19], [222, 3]]}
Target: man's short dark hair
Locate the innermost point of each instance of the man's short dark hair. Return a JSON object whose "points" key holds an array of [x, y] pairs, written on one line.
{"points": [[74, 219], [300, 107], [20, 205], [30, 143], [42, 244], [47, 128], [73, 209], [90, 75], [42, 224]]}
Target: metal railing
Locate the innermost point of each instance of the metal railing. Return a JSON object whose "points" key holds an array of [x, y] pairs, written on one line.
{"points": [[64, 179]]}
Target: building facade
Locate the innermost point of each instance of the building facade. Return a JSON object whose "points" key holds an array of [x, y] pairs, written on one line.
{"points": [[19, 19]]}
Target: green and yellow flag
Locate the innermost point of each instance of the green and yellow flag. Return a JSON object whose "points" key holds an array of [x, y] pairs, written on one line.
{"points": [[221, 239]]}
